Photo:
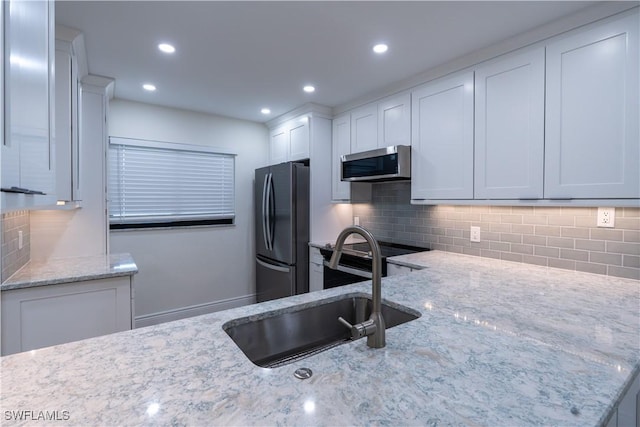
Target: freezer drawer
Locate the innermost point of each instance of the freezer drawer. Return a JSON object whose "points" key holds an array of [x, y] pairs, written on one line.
{"points": [[274, 280]]}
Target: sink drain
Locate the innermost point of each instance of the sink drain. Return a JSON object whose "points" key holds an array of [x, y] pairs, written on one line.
{"points": [[303, 373]]}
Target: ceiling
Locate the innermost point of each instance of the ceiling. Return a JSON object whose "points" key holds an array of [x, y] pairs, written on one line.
{"points": [[234, 58]]}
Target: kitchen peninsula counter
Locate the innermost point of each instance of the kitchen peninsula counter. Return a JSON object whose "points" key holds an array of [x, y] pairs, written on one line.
{"points": [[498, 344]]}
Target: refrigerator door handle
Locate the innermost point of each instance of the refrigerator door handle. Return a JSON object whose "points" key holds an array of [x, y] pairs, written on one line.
{"points": [[270, 201], [273, 267], [265, 185]]}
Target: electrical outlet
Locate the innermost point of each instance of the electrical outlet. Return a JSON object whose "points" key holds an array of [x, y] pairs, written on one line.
{"points": [[356, 220], [475, 234], [20, 240], [606, 217]]}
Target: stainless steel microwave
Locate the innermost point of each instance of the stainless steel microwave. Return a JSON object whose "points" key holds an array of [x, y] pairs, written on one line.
{"points": [[383, 164]]}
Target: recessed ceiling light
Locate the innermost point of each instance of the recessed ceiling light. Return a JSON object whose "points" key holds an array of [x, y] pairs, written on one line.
{"points": [[166, 48], [309, 89], [149, 87], [380, 48], [265, 111]]}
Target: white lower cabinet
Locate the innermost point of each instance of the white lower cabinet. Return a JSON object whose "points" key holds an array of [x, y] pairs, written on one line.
{"points": [[397, 269], [43, 316], [316, 270], [627, 413]]}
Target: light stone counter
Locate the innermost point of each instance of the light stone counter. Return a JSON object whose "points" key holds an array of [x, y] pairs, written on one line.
{"points": [[498, 344], [68, 270]]}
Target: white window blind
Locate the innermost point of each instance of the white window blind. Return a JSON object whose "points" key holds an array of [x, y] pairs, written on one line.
{"points": [[158, 182]]}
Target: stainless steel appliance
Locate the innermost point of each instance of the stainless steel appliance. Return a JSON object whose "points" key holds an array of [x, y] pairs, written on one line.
{"points": [[282, 230], [356, 262], [383, 164]]}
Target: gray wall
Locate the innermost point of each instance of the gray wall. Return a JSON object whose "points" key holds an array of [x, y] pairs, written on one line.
{"points": [[190, 271], [556, 236]]}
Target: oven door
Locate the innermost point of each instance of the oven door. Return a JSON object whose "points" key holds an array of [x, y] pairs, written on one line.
{"points": [[343, 276]]}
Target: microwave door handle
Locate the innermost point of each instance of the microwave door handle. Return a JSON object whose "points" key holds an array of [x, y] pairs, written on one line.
{"points": [[264, 211], [270, 219]]}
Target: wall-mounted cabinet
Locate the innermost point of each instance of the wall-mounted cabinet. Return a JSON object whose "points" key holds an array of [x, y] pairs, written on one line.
{"points": [[28, 148], [290, 141], [553, 124], [376, 125], [381, 124], [592, 143], [394, 120], [509, 127], [70, 66], [364, 128], [442, 139], [340, 145]]}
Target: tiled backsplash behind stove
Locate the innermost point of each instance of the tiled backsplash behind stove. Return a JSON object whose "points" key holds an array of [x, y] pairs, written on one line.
{"points": [[12, 257], [550, 236]]}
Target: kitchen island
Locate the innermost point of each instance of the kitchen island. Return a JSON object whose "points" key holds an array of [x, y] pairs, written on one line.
{"points": [[497, 344]]}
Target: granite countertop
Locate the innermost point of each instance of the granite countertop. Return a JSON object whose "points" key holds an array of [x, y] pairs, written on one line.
{"points": [[67, 270], [498, 344]]}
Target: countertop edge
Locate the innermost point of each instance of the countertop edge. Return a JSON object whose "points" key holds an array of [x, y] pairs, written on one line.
{"points": [[71, 270]]}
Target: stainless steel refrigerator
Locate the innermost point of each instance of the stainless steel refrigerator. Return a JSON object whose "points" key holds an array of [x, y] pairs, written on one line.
{"points": [[282, 230]]}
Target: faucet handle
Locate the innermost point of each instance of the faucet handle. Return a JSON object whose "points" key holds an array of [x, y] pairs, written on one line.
{"points": [[359, 330]]}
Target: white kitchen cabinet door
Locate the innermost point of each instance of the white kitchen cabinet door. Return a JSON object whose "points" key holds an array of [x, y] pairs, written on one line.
{"points": [[279, 147], [397, 269], [299, 139], [442, 139], [340, 145], [43, 316], [67, 139], [290, 141], [316, 270], [592, 147], [28, 144], [364, 128], [509, 127], [394, 121]]}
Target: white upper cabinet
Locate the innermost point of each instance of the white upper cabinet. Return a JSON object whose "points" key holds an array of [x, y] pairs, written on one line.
{"points": [[290, 141], [394, 121], [299, 139], [279, 145], [364, 128], [28, 146], [442, 139], [509, 127], [340, 145], [592, 139], [70, 68]]}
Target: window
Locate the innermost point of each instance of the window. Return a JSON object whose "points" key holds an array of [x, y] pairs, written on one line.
{"points": [[159, 184]]}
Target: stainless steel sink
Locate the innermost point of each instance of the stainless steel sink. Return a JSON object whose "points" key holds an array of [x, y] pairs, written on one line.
{"points": [[301, 331]]}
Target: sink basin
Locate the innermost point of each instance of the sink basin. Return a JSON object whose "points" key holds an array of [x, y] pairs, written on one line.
{"points": [[278, 338]]}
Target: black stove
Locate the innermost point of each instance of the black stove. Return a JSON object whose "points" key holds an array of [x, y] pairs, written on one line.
{"points": [[356, 263]]}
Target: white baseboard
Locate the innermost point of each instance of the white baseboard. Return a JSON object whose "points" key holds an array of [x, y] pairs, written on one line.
{"points": [[194, 310]]}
